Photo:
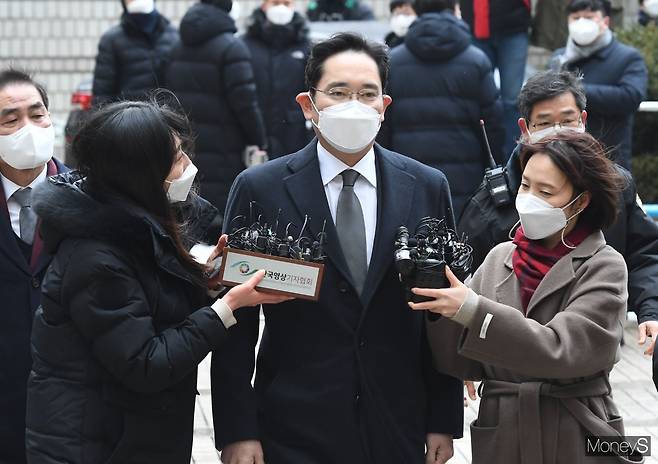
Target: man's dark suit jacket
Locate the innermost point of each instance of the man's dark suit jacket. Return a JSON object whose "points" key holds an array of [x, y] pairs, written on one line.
{"points": [[21, 272], [346, 379]]}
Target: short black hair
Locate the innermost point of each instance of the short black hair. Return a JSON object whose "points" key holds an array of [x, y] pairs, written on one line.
{"points": [[15, 76], [592, 5], [343, 42], [433, 6], [550, 84], [398, 3]]}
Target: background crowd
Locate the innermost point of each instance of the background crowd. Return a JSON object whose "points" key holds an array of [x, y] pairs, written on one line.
{"points": [[452, 65]]}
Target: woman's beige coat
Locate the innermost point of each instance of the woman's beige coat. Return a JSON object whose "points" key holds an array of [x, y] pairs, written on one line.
{"points": [[545, 375]]}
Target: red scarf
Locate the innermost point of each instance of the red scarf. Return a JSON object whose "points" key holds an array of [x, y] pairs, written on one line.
{"points": [[531, 261]]}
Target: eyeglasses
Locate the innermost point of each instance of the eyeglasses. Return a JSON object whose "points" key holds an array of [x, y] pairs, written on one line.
{"points": [[575, 122], [343, 94]]}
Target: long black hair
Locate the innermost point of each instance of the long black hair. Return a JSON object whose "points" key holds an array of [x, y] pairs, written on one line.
{"points": [[128, 149]]}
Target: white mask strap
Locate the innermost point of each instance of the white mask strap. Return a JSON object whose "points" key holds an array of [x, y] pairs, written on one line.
{"points": [[513, 229]]}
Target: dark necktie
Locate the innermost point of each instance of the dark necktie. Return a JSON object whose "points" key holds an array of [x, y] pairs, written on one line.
{"points": [[26, 218], [352, 230]]}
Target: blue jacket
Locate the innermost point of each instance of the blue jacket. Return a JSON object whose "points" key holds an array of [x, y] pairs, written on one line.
{"points": [[441, 87], [615, 81], [346, 379], [20, 295]]}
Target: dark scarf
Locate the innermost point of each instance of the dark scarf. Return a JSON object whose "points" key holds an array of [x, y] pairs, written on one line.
{"points": [[531, 261]]}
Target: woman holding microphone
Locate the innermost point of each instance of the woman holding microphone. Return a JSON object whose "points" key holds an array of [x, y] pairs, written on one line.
{"points": [[126, 315], [541, 320]]}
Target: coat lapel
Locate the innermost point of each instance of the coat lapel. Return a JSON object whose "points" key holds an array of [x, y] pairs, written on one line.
{"points": [[508, 289], [306, 191], [395, 192], [563, 272], [8, 244]]}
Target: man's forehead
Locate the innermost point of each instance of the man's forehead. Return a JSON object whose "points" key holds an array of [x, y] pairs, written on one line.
{"points": [[19, 96], [561, 104], [351, 67]]}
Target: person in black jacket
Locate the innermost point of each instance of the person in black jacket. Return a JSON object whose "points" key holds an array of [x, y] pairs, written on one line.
{"points": [[211, 73], [441, 87], [549, 102], [131, 56], [402, 15], [125, 316], [339, 10], [614, 75], [27, 140], [277, 37]]}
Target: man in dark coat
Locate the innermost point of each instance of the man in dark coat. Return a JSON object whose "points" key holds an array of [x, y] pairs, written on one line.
{"points": [[211, 73], [346, 379], [131, 56], [402, 16], [442, 86], [277, 37], [547, 99], [614, 75], [23, 110], [339, 10]]}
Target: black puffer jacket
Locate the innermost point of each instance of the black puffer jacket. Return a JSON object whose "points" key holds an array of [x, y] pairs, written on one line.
{"points": [[130, 63], [441, 87], [279, 56], [118, 338], [211, 73]]}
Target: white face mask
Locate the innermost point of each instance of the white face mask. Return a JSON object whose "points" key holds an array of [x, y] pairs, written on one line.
{"points": [[584, 31], [236, 11], [555, 129], [651, 7], [348, 127], [179, 188], [141, 6], [279, 15], [539, 218], [400, 23], [28, 148]]}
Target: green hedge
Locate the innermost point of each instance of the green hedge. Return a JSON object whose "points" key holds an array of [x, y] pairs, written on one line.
{"points": [[645, 141]]}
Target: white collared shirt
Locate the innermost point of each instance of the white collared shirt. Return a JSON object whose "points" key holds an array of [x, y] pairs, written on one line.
{"points": [[365, 188], [12, 205]]}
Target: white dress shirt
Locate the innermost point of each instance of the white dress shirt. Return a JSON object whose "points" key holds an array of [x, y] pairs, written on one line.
{"points": [[365, 188], [12, 205]]}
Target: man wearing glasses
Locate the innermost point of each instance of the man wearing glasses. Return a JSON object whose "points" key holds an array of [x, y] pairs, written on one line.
{"points": [[550, 102], [346, 379]]}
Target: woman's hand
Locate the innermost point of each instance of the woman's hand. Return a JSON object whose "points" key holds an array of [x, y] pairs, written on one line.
{"points": [[246, 294], [214, 281], [447, 301]]}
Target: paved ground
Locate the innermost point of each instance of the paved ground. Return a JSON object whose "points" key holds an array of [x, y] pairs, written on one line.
{"points": [[633, 390]]}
